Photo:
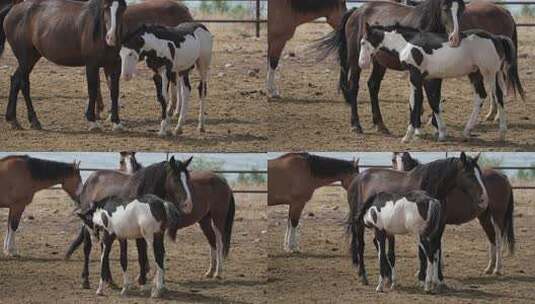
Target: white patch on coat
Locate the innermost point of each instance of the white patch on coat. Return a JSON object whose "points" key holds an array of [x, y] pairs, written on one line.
{"points": [[484, 195], [399, 217], [189, 202], [111, 38]]}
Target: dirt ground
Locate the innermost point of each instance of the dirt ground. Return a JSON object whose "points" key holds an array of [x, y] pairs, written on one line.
{"points": [[41, 274], [323, 273], [236, 106], [313, 116]]}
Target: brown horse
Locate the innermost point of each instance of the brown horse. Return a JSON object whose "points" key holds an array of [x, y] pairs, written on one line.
{"points": [[293, 178], [68, 33], [496, 220], [161, 12], [429, 15], [128, 162], [437, 178], [284, 16], [21, 177]]}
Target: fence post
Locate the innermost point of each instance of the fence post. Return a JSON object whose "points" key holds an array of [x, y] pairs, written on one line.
{"points": [[257, 18]]}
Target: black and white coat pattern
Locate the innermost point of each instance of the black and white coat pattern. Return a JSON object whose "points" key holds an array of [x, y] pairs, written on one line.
{"points": [[170, 52], [414, 212], [488, 60]]}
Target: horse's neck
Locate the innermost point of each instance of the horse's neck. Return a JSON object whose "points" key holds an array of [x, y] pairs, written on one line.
{"points": [[324, 181], [44, 184]]}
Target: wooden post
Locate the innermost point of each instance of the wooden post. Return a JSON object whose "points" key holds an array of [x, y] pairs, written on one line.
{"points": [[257, 18]]}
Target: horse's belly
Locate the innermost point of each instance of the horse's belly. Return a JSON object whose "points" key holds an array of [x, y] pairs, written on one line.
{"points": [[449, 66], [187, 54]]}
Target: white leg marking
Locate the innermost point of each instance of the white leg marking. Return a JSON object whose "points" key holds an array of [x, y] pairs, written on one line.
{"points": [[183, 110], [292, 238], [286, 244], [492, 258], [213, 262], [503, 122], [429, 276], [498, 249], [126, 284], [408, 136], [442, 131], [219, 252], [272, 90], [474, 116], [180, 96]]}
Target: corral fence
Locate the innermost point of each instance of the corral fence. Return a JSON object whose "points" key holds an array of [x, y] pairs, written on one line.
{"points": [[257, 21]]}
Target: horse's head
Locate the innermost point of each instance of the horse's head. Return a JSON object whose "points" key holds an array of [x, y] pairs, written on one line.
{"points": [[470, 181], [403, 161], [72, 183], [131, 52], [178, 184], [450, 16], [112, 12], [128, 162], [372, 39], [348, 178]]}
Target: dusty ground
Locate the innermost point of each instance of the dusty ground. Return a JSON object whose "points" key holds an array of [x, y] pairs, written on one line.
{"points": [[313, 116], [322, 272], [41, 275], [236, 109]]}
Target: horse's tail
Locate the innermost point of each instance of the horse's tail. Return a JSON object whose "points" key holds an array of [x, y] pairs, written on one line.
{"points": [[355, 222], [336, 40], [227, 234], [510, 68], [3, 14], [173, 219], [434, 217], [508, 233]]}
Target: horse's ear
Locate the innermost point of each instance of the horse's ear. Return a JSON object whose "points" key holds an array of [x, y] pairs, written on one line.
{"points": [[123, 153], [356, 163], [366, 27], [476, 158], [463, 158], [187, 162]]}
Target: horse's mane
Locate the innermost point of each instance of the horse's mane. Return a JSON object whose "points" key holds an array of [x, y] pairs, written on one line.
{"points": [[395, 27], [307, 6], [430, 11], [322, 166], [434, 175], [41, 169], [411, 162], [151, 179], [94, 12]]}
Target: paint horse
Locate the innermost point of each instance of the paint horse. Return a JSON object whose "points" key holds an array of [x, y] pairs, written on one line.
{"points": [[68, 33], [414, 212], [21, 177], [496, 220], [437, 178], [294, 177], [147, 217], [486, 59], [168, 52], [128, 162], [284, 16]]}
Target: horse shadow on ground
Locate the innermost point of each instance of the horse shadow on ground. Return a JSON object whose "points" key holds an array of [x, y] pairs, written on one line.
{"points": [[208, 122], [306, 255], [491, 279], [297, 100], [464, 293], [207, 284], [181, 296]]}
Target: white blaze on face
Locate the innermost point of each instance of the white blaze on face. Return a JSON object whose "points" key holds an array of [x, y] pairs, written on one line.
{"points": [[129, 59], [454, 37], [484, 196], [111, 38], [399, 162], [188, 204]]}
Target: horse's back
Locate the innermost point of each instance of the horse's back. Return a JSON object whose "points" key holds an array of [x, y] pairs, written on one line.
{"points": [[490, 17], [163, 12], [289, 179], [101, 184]]}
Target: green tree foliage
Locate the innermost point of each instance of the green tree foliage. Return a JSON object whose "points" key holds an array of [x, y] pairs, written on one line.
{"points": [[252, 178]]}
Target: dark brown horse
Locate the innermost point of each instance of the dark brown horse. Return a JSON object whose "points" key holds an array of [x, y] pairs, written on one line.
{"points": [[21, 177], [429, 15], [496, 220], [437, 178], [293, 178], [284, 16], [68, 33]]}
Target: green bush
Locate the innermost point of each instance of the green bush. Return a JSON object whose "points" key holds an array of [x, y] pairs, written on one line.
{"points": [[201, 163], [251, 178], [486, 162], [526, 174]]}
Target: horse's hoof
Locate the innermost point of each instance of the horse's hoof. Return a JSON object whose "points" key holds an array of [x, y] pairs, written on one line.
{"points": [[357, 129], [379, 289], [156, 293], [86, 285], [497, 273], [218, 276], [209, 274], [163, 133], [117, 127], [177, 131], [201, 129], [405, 140], [94, 126], [125, 290], [382, 129], [15, 125], [100, 292], [36, 125]]}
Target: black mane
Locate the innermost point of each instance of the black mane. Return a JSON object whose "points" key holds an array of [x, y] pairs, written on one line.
{"points": [[307, 6], [151, 179], [41, 169], [94, 12], [322, 166], [436, 176], [409, 162]]}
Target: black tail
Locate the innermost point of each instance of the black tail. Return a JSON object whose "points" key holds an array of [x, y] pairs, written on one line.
{"points": [[337, 40], [3, 14], [508, 233], [511, 66], [434, 215], [173, 219], [228, 225], [355, 223]]}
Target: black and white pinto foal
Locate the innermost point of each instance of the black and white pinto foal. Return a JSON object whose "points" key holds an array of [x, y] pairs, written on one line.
{"points": [[489, 61], [413, 212], [170, 52], [147, 217]]}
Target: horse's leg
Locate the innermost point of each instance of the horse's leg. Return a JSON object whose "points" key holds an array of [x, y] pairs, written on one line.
{"points": [[159, 255], [360, 244], [430, 256], [144, 265], [105, 273], [75, 243], [87, 255], [11, 110], [12, 226], [415, 105], [438, 275], [161, 83], [383, 263], [124, 265], [422, 256], [499, 240], [276, 44], [486, 222], [374, 85], [203, 87], [179, 88], [498, 95], [351, 93], [392, 260], [434, 98], [26, 69], [294, 214], [173, 100], [93, 83], [206, 227], [184, 104], [477, 80], [113, 74], [492, 115]]}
